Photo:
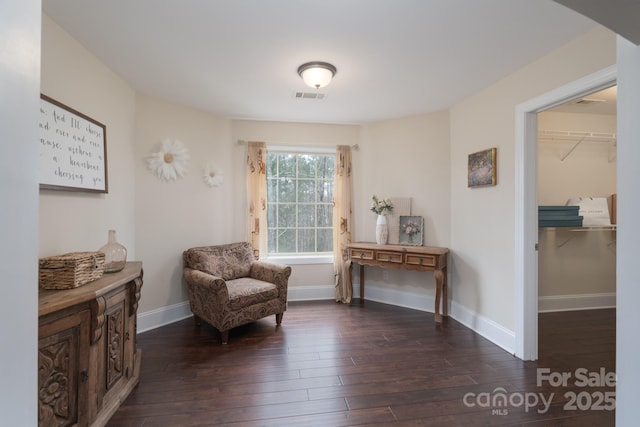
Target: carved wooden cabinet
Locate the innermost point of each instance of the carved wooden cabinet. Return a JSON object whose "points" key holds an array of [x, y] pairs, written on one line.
{"points": [[88, 361]]}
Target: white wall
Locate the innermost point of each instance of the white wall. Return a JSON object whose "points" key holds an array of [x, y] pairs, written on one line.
{"points": [[628, 295], [20, 86], [482, 224], [77, 221]]}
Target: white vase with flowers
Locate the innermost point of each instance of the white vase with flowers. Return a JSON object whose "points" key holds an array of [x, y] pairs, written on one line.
{"points": [[381, 207]]}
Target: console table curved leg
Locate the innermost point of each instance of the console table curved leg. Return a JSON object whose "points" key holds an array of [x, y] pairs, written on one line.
{"points": [[439, 276], [445, 304]]}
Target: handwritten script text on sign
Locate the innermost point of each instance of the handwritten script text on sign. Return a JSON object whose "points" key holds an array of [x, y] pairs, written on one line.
{"points": [[72, 149]]}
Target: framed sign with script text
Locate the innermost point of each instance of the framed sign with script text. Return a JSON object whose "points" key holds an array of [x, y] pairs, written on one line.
{"points": [[73, 149]]}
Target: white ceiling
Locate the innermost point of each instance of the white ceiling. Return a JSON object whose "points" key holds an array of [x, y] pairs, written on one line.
{"points": [[239, 58]]}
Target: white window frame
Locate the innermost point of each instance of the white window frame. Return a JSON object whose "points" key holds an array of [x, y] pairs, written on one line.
{"points": [[304, 258]]}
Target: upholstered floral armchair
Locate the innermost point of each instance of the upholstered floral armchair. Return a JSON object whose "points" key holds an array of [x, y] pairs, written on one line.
{"points": [[228, 287]]}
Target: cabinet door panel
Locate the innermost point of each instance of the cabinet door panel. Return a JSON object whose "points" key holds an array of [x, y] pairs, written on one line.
{"points": [[63, 362], [116, 359]]}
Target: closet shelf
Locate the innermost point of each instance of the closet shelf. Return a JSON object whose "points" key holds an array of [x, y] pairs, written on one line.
{"points": [[577, 137], [566, 238], [561, 135]]}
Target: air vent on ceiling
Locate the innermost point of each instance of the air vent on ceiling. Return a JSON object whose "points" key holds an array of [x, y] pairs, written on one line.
{"points": [[587, 101], [309, 95]]}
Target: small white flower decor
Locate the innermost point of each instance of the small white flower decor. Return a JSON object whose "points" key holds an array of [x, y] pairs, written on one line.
{"points": [[381, 207], [212, 175], [169, 161]]}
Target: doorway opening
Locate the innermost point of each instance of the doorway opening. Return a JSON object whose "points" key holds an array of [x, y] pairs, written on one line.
{"points": [[526, 219], [577, 153]]}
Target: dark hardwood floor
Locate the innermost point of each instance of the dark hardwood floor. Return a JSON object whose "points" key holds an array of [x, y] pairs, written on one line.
{"points": [[336, 365]]}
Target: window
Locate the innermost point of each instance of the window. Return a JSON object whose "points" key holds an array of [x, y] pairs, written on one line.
{"points": [[300, 202]]}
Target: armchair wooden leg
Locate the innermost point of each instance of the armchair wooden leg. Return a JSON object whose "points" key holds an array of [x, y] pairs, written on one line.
{"points": [[224, 336], [197, 320], [279, 318]]}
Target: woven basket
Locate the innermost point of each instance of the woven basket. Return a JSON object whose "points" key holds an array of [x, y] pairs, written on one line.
{"points": [[71, 270]]}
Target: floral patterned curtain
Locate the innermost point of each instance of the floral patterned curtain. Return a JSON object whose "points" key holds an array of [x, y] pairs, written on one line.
{"points": [[342, 224], [257, 197]]}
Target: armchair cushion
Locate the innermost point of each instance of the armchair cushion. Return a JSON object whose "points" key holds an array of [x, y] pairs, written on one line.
{"points": [[228, 262], [246, 291]]}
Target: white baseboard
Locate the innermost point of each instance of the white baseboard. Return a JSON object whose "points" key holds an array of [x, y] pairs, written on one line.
{"points": [[163, 316], [481, 325], [411, 300], [310, 293], [494, 332], [576, 302], [489, 329]]}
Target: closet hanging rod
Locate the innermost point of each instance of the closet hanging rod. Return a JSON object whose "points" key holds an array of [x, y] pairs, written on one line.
{"points": [[553, 135]]}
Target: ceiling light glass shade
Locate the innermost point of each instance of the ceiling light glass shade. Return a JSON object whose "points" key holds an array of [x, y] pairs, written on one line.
{"points": [[317, 74]]}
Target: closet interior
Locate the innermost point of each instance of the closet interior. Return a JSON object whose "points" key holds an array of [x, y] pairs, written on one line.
{"points": [[577, 159]]}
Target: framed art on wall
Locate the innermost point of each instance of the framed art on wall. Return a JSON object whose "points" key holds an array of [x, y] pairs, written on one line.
{"points": [[73, 149], [482, 168]]}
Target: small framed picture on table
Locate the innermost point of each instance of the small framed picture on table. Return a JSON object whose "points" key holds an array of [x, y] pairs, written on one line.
{"points": [[411, 230]]}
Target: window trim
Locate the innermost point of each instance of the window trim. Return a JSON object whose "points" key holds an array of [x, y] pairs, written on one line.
{"points": [[293, 259]]}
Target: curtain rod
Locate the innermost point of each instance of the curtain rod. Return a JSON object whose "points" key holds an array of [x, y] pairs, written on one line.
{"points": [[355, 147]]}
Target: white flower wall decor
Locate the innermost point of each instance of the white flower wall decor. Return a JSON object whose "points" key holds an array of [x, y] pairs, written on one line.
{"points": [[169, 161], [212, 175]]}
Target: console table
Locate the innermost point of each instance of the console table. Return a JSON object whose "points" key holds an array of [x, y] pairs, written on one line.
{"points": [[418, 258], [88, 360]]}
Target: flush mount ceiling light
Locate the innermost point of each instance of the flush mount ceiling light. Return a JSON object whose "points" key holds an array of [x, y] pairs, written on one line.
{"points": [[317, 74]]}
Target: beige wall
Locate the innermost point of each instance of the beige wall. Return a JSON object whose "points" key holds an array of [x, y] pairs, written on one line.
{"points": [[424, 157], [157, 220], [406, 157], [588, 171], [174, 216], [482, 224], [576, 263], [77, 221], [299, 135], [470, 256], [186, 213], [569, 262], [171, 217]]}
